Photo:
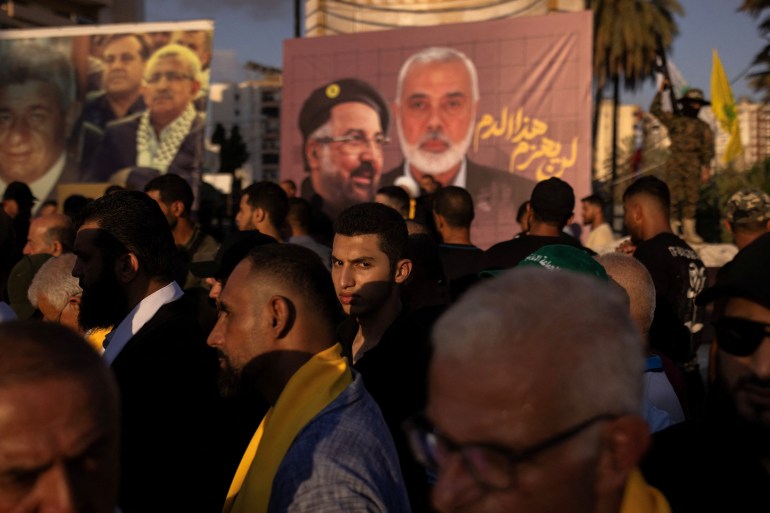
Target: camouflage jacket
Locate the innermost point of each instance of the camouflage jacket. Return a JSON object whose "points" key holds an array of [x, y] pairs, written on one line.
{"points": [[688, 135]]}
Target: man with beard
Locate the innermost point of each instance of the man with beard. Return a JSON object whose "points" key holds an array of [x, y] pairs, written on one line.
{"points": [[722, 462], [171, 460], [323, 445], [344, 126], [437, 99], [263, 206], [169, 134]]}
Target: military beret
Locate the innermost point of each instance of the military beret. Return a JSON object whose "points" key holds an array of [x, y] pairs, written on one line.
{"points": [[316, 109]]}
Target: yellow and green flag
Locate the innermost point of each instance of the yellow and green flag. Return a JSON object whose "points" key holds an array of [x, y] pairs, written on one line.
{"points": [[723, 106]]}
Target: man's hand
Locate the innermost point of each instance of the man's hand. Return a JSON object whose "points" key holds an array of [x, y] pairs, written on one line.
{"points": [[626, 247]]}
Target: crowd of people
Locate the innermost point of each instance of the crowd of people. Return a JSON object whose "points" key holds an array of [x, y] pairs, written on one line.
{"points": [[398, 368]]}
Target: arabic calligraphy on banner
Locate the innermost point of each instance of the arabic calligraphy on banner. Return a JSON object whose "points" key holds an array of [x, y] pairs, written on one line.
{"points": [[531, 147]]}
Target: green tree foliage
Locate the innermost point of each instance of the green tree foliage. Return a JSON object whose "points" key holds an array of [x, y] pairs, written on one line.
{"points": [[760, 80], [232, 152]]}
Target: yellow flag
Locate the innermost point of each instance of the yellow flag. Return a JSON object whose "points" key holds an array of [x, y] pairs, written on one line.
{"points": [[723, 106]]}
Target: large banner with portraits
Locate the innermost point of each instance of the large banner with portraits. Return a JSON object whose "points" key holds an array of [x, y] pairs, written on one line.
{"points": [[492, 107], [119, 103]]}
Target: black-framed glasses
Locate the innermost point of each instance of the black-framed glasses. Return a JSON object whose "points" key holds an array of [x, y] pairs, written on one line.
{"points": [[491, 465], [170, 76], [355, 143], [740, 337]]}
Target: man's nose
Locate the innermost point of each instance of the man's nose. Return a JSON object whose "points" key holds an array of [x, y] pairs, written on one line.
{"points": [[19, 130], [55, 491], [455, 486]]}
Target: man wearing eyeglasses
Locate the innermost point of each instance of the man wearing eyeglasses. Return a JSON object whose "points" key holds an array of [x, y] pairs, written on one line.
{"points": [[722, 462], [437, 99], [168, 135], [344, 127], [532, 412]]}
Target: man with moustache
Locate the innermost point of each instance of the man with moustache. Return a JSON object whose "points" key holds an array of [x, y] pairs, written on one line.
{"points": [[722, 461], [344, 126], [37, 113], [168, 136], [171, 457], [436, 103]]}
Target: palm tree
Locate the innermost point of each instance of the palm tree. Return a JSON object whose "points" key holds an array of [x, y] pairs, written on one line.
{"points": [[760, 80], [626, 36]]}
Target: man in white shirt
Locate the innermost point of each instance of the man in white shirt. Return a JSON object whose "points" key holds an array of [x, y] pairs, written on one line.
{"points": [[171, 458], [37, 112], [601, 234]]}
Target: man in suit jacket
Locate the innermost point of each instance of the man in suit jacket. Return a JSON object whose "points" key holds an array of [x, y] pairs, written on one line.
{"points": [[165, 372], [436, 102], [37, 99], [168, 135]]}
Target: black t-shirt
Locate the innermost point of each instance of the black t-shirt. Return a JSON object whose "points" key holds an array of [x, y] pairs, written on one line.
{"points": [[509, 253], [679, 276]]}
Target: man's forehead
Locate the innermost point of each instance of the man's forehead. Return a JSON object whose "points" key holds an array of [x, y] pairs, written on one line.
{"points": [[357, 246], [450, 76], [168, 61], [35, 92], [354, 116], [120, 45]]}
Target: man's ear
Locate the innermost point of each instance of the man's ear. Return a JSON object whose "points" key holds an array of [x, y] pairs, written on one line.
{"points": [[403, 270], [439, 221], [58, 249], [313, 153], [282, 316], [624, 442], [196, 86], [126, 268], [258, 215], [177, 208]]}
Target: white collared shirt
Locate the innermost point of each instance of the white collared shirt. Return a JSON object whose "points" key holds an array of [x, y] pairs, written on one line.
{"points": [[43, 186], [138, 317], [460, 178]]}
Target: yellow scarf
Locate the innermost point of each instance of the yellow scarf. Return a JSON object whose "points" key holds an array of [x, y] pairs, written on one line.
{"points": [[311, 389], [640, 497]]}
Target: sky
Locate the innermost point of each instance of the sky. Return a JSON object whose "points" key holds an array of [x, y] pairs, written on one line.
{"points": [[255, 29]]}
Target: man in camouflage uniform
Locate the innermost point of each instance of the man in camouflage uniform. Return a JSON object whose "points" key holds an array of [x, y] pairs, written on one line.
{"points": [[748, 216], [692, 148]]}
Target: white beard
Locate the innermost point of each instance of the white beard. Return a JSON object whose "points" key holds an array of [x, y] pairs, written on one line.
{"points": [[430, 162]]}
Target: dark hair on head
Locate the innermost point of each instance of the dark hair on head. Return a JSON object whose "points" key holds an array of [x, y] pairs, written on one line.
{"points": [[300, 211], [137, 225], [376, 219], [455, 205], [651, 186], [35, 351], [73, 206], [595, 199], [144, 46], [522, 211], [172, 188], [302, 271], [398, 197], [271, 198], [64, 234]]}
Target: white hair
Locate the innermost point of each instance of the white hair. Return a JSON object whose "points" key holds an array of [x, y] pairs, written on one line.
{"points": [[54, 280], [438, 54], [575, 324]]}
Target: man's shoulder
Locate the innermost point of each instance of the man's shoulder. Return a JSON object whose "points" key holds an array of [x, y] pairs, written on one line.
{"points": [[665, 246], [124, 125], [343, 456]]}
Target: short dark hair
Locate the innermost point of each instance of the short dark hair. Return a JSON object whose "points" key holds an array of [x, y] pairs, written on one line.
{"points": [[455, 205], [522, 211], [651, 186], [144, 50], [172, 188], [300, 211], [594, 199], [376, 219], [34, 351], [398, 197], [137, 225], [270, 197], [302, 271]]}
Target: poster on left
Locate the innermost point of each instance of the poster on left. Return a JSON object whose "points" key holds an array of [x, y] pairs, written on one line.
{"points": [[108, 103]]}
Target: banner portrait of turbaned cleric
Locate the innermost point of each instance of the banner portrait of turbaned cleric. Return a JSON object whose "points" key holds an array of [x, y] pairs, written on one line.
{"points": [[109, 103], [493, 107]]}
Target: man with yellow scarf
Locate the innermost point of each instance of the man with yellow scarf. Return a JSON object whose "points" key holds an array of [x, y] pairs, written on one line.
{"points": [[323, 445]]}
